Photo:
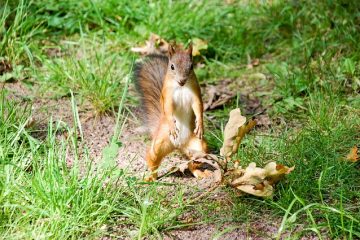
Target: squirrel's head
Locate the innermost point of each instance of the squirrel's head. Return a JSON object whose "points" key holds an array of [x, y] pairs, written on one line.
{"points": [[180, 64]]}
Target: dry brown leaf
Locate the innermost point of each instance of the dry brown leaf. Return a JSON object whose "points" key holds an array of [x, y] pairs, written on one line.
{"points": [[253, 106], [353, 154], [155, 45], [217, 96], [263, 120], [5, 66], [275, 172], [211, 98], [253, 63], [232, 128], [266, 191], [201, 166], [202, 171], [235, 130], [222, 100], [243, 130], [260, 181], [198, 46]]}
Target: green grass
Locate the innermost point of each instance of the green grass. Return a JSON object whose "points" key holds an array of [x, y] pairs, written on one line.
{"points": [[18, 28], [94, 72], [308, 51], [322, 176]]}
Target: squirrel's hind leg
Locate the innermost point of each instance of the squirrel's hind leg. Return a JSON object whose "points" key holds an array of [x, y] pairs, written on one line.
{"points": [[160, 147], [195, 145]]}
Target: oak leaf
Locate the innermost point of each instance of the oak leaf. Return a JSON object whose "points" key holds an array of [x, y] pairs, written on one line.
{"points": [[234, 132], [198, 46], [155, 45], [259, 181], [201, 165]]}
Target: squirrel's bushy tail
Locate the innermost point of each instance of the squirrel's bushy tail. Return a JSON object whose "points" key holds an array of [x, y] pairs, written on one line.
{"points": [[149, 77]]}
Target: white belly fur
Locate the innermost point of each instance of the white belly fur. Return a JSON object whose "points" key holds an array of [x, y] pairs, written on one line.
{"points": [[183, 114]]}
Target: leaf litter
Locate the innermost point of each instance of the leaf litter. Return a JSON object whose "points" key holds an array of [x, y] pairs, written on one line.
{"points": [[258, 181], [252, 180], [201, 165], [222, 93], [218, 95]]}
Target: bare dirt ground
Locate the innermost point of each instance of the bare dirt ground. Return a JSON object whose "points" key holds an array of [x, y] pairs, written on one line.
{"points": [[97, 133]]}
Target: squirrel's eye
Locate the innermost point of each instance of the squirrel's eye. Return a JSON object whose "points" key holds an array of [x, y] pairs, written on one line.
{"points": [[172, 67]]}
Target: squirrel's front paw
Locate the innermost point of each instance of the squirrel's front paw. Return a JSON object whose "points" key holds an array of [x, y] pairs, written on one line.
{"points": [[199, 130], [151, 178], [173, 131]]}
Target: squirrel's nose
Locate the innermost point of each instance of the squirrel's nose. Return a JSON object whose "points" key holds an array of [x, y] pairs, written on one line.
{"points": [[182, 81]]}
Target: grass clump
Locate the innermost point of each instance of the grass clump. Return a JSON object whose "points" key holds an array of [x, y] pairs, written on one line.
{"points": [[97, 79], [18, 30], [40, 196]]}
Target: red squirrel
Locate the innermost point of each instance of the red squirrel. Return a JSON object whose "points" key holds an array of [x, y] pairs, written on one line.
{"points": [[171, 104]]}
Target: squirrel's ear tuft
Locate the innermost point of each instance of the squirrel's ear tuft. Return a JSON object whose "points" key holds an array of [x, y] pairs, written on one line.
{"points": [[190, 49], [171, 50]]}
